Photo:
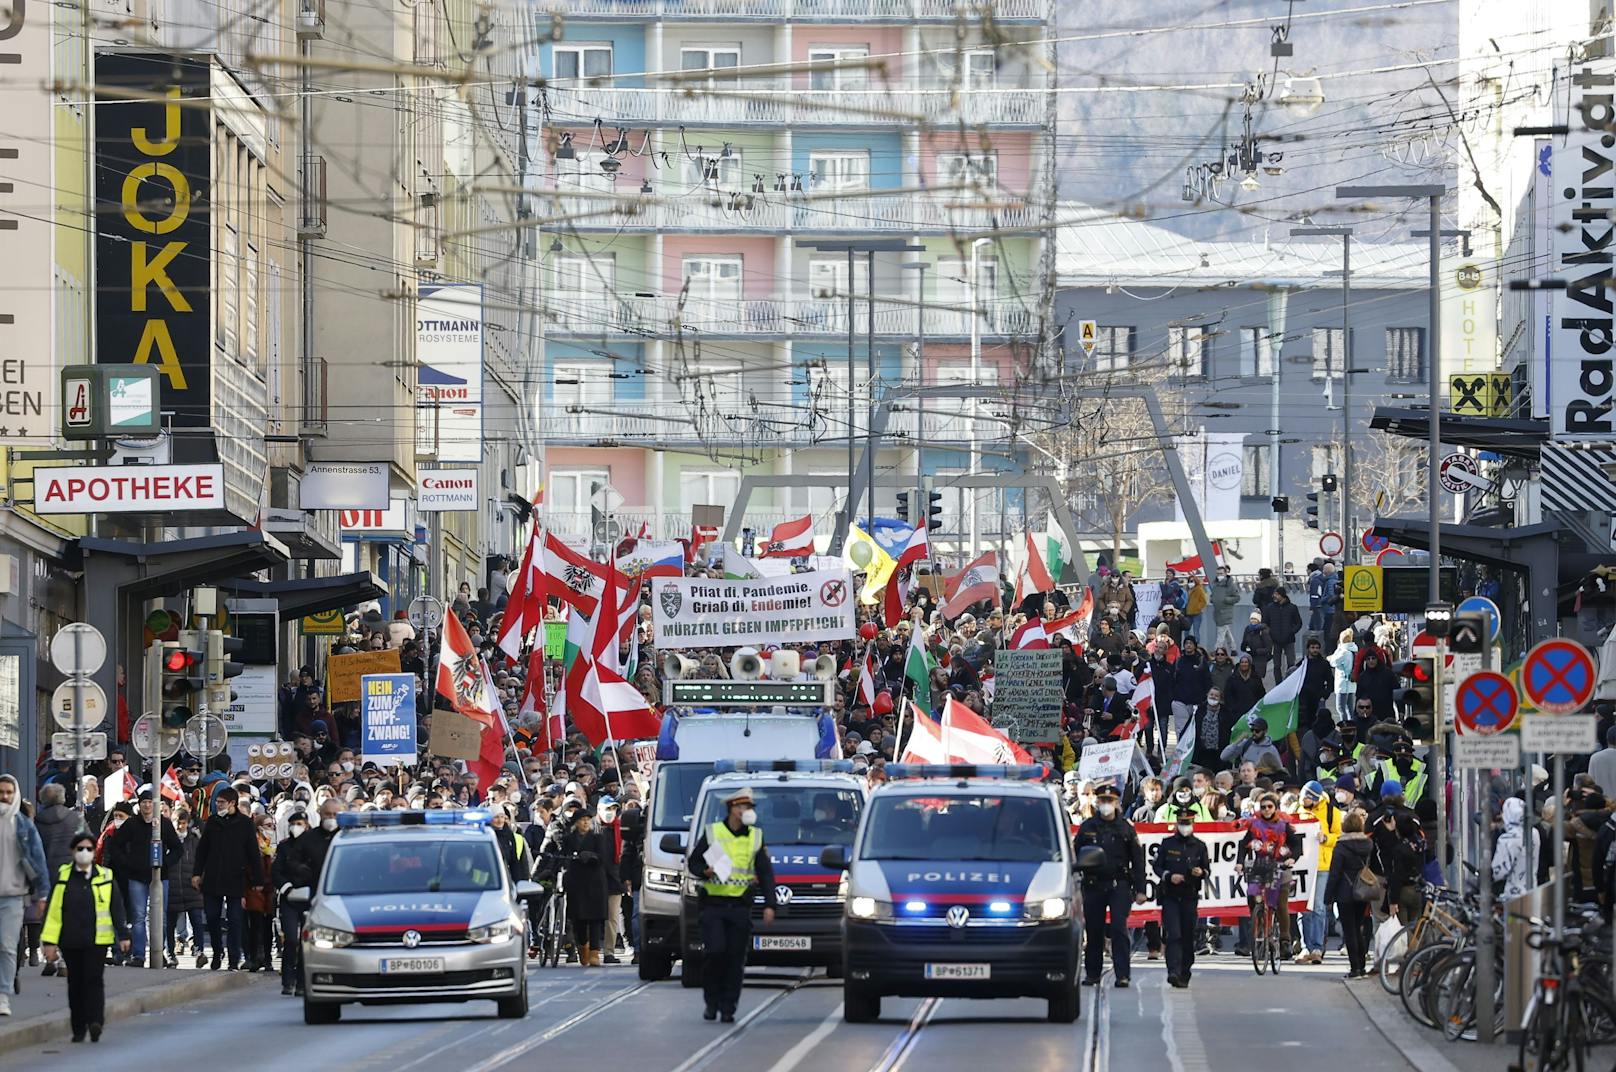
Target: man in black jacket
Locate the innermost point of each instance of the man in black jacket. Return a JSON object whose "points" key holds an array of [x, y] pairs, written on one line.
{"points": [[128, 852], [298, 864], [1284, 621], [1400, 851], [1113, 887], [226, 864], [1182, 864]]}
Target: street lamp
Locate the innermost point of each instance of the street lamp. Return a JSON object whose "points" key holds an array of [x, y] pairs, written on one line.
{"points": [[1432, 193], [920, 381], [1303, 95], [1345, 357], [976, 384]]}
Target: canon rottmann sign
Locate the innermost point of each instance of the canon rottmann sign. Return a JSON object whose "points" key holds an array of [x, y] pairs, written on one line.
{"points": [[447, 489]]}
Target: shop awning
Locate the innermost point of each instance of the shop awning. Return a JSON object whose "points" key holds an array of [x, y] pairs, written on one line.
{"points": [[155, 570], [1511, 437], [310, 595], [296, 529]]}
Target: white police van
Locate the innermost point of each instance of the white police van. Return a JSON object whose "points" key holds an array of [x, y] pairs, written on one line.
{"points": [[962, 882], [413, 906], [803, 806]]}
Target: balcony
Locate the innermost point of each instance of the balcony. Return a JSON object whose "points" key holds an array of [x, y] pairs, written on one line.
{"points": [[741, 212], [757, 424], [655, 316], [900, 11], [775, 102]]}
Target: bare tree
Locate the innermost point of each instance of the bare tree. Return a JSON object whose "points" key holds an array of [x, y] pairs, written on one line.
{"points": [[1389, 473]]}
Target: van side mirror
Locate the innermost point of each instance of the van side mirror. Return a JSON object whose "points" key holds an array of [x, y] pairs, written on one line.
{"points": [[833, 857], [674, 843], [1089, 858], [526, 891], [298, 895]]}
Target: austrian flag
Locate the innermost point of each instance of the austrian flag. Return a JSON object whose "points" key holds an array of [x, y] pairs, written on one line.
{"points": [[790, 539]]}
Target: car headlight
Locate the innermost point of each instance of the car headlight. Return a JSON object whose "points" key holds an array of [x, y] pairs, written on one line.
{"points": [[869, 908], [328, 937], [495, 933], [658, 879], [1049, 908]]}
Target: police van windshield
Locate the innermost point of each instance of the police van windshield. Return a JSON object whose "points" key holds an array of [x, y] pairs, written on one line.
{"points": [[673, 797], [1008, 828], [797, 815], [415, 865]]}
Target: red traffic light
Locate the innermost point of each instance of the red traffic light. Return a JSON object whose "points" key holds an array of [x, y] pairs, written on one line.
{"points": [[1417, 671], [177, 662]]}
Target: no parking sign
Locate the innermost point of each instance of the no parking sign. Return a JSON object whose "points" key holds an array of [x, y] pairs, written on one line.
{"points": [[1558, 676]]}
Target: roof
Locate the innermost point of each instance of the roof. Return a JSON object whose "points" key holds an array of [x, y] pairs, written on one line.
{"points": [[1094, 247], [945, 786]]}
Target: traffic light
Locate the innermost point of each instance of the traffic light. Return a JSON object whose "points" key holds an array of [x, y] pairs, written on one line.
{"points": [[1328, 483], [220, 668], [934, 511], [183, 677], [903, 506], [1417, 696], [1280, 503], [1313, 510]]}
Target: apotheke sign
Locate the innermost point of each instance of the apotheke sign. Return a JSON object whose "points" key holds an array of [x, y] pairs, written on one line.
{"points": [[124, 489], [447, 489]]}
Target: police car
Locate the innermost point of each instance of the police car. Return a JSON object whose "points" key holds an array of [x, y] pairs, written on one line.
{"points": [[803, 806], [413, 906], [962, 882]]}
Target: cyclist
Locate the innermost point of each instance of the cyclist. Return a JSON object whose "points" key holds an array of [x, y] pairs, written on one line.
{"points": [[1269, 847]]}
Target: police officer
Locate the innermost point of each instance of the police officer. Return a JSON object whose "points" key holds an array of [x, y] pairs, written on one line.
{"points": [[298, 863], [1182, 863], [1404, 769], [1113, 887], [726, 900], [83, 918]]}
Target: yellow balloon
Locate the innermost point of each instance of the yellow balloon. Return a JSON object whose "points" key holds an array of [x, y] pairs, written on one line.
{"points": [[861, 553]]}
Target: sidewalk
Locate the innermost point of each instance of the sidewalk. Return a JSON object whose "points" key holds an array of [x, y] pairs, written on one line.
{"points": [[39, 1013], [1423, 1048]]}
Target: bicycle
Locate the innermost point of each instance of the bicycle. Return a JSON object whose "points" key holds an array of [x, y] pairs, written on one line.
{"points": [[552, 929], [1565, 1014], [1267, 882], [1435, 924]]}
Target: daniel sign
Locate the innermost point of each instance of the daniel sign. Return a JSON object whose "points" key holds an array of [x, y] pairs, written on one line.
{"points": [[124, 489], [447, 489]]}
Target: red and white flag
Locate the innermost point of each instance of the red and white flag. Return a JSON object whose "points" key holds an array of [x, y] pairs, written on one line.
{"points": [[1193, 563], [976, 582], [916, 549], [524, 609], [170, 785], [960, 736], [790, 539], [463, 677], [490, 761], [1037, 574], [866, 681], [1031, 636], [1143, 700], [601, 703], [552, 729], [571, 577]]}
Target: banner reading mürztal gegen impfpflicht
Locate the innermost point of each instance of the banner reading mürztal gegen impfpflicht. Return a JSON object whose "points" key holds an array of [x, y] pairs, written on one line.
{"points": [[690, 612]]}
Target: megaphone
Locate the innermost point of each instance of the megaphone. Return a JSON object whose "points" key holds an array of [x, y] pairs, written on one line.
{"points": [[676, 667], [746, 665], [784, 664], [824, 668]]}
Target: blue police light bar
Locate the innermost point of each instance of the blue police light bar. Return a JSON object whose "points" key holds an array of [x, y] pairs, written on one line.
{"points": [[762, 766], [359, 820], [1017, 772]]}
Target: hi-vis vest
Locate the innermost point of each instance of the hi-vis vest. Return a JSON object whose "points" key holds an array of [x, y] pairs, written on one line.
{"points": [[1413, 785], [100, 892], [742, 850]]}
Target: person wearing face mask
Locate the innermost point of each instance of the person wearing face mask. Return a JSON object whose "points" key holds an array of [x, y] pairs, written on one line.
{"points": [[1112, 887], [129, 856], [725, 900], [84, 917], [1182, 863], [1316, 921], [297, 864], [1183, 802], [631, 868], [226, 864], [590, 876], [23, 879], [184, 901]]}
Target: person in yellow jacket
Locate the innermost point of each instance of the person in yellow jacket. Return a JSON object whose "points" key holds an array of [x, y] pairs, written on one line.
{"points": [[83, 917], [726, 900], [1316, 920]]}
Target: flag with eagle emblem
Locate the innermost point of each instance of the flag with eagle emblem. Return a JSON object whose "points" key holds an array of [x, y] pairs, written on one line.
{"points": [[462, 678]]}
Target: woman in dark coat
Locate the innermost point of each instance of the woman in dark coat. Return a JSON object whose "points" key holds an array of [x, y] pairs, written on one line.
{"points": [[1352, 852], [183, 899], [591, 875], [1243, 689]]}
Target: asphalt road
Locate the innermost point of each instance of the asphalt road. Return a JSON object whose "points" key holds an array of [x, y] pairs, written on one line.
{"points": [[788, 1021]]}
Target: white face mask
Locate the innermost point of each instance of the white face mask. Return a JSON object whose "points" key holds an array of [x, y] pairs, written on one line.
{"points": [[1186, 829], [1343, 798], [83, 857], [329, 823], [1107, 810], [298, 828], [347, 765], [749, 817]]}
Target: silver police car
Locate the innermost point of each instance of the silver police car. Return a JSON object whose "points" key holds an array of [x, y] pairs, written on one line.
{"points": [[414, 907]]}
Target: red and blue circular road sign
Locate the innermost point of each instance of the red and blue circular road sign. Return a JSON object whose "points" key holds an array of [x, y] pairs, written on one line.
{"points": [[1485, 703], [1558, 676], [1374, 542]]}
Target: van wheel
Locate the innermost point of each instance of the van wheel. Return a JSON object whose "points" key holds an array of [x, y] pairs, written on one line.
{"points": [[513, 1008], [690, 973], [860, 1006], [1065, 1006], [320, 1012], [654, 968], [834, 971]]}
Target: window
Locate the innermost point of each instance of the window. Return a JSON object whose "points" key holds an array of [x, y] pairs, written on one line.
{"points": [[713, 278], [716, 171], [1256, 352], [584, 384], [827, 276], [1186, 351], [957, 374], [954, 288], [715, 384], [854, 77], [582, 61], [576, 274], [968, 169], [1113, 348], [821, 502], [568, 491], [1256, 469], [1328, 359], [1405, 355], [979, 65], [703, 488], [840, 171], [710, 58]]}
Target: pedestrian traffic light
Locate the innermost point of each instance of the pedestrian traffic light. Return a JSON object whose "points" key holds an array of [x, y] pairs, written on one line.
{"points": [[903, 506], [183, 677], [1313, 510], [220, 668], [934, 511], [1417, 695], [1280, 503]]}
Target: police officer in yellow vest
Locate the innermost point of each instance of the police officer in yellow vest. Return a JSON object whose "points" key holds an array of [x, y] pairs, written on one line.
{"points": [[83, 918], [1405, 768], [726, 893]]}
